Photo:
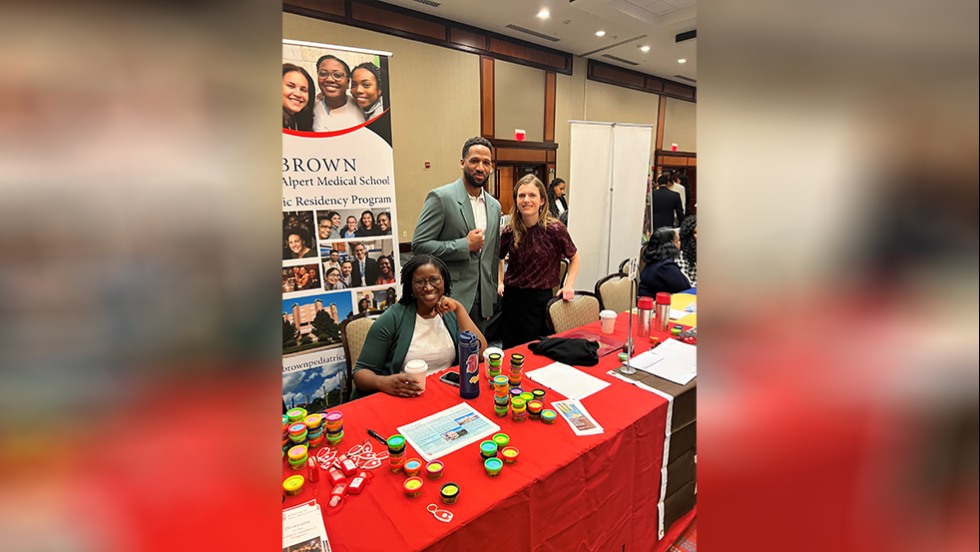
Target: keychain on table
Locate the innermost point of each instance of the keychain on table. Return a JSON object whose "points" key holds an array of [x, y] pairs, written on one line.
{"points": [[444, 516]]}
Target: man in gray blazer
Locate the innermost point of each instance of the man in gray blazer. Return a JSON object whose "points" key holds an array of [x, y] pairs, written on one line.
{"points": [[460, 224]]}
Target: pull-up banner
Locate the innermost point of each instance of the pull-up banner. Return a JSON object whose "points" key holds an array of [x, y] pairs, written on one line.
{"points": [[339, 257]]}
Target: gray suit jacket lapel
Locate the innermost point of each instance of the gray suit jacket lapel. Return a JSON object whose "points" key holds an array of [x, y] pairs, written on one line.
{"points": [[465, 208]]}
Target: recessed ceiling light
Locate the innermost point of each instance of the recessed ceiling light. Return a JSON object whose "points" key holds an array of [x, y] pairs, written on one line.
{"points": [[600, 33], [644, 48], [682, 60], [544, 13]]}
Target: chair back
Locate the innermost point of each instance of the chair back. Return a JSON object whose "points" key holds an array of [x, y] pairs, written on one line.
{"points": [[565, 315], [614, 292], [353, 333], [562, 272]]}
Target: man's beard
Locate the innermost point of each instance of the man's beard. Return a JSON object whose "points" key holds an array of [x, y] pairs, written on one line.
{"points": [[472, 182]]}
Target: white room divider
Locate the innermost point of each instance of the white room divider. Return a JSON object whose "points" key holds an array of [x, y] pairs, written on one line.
{"points": [[608, 173]]}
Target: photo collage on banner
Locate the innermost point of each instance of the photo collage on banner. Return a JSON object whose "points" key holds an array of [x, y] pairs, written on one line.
{"points": [[339, 253]]}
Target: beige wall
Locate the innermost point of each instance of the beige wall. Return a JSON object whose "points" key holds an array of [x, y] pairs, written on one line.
{"points": [[441, 89], [435, 99], [518, 93], [680, 125], [569, 106]]}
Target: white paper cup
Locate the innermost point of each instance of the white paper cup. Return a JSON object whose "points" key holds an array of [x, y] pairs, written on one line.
{"points": [[490, 350], [417, 369], [608, 319]]}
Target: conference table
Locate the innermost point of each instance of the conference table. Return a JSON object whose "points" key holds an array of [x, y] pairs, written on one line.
{"points": [[565, 492]]}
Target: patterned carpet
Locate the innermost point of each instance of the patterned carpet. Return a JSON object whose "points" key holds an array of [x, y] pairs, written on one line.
{"points": [[688, 541]]}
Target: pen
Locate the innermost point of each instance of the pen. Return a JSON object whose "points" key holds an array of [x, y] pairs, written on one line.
{"points": [[378, 436]]}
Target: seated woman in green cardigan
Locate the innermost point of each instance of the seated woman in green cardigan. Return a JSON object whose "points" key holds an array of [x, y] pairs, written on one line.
{"points": [[424, 324]]}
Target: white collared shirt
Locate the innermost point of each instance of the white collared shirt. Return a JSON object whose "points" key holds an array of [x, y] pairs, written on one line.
{"points": [[479, 205]]}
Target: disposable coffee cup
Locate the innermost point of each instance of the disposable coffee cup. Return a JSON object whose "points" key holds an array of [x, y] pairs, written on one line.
{"points": [[417, 369], [608, 318]]}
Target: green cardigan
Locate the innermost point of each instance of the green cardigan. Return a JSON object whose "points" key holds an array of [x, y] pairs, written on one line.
{"points": [[388, 340]]}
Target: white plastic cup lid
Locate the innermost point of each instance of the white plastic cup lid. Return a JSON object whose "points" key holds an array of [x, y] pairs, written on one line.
{"points": [[607, 314], [417, 365]]}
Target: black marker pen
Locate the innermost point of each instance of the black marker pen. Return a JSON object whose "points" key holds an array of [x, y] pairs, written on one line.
{"points": [[378, 436]]}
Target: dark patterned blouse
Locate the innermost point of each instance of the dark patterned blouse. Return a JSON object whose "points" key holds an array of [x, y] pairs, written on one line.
{"points": [[536, 263]]}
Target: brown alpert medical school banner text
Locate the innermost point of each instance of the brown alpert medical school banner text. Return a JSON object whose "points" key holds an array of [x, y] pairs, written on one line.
{"points": [[339, 255]]}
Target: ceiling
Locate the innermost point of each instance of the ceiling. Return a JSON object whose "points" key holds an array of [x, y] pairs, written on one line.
{"points": [[571, 27]]}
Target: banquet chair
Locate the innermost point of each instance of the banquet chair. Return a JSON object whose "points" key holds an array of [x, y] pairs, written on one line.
{"points": [[562, 272], [353, 333], [565, 315], [613, 292]]}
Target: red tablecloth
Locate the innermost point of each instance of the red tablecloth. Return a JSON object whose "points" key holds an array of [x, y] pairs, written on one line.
{"points": [[566, 492]]}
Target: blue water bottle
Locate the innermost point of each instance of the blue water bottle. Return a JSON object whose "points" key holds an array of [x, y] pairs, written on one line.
{"points": [[469, 365]]}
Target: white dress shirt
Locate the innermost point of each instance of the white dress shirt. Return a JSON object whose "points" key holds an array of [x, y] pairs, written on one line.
{"points": [[479, 205]]}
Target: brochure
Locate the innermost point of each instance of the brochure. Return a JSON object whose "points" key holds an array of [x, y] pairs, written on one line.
{"points": [[303, 530], [577, 416], [448, 430]]}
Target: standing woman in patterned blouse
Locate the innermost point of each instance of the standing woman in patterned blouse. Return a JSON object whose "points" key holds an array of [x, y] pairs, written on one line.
{"points": [[533, 244]]}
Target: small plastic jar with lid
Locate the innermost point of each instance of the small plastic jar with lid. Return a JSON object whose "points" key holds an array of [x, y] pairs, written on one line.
{"points": [[413, 487], [449, 493]]}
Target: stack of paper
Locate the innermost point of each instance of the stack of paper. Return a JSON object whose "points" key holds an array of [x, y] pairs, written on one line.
{"points": [[302, 529], [672, 360], [574, 384], [577, 416]]}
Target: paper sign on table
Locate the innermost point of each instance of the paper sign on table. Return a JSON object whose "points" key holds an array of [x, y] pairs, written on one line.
{"points": [[574, 384]]}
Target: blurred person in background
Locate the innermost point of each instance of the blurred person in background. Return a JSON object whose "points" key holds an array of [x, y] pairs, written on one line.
{"points": [[666, 204], [557, 203], [297, 87], [688, 258], [661, 272], [674, 185]]}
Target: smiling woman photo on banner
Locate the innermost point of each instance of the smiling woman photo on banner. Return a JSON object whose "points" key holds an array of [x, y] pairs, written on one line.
{"points": [[297, 92], [334, 109], [368, 90], [298, 243]]}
